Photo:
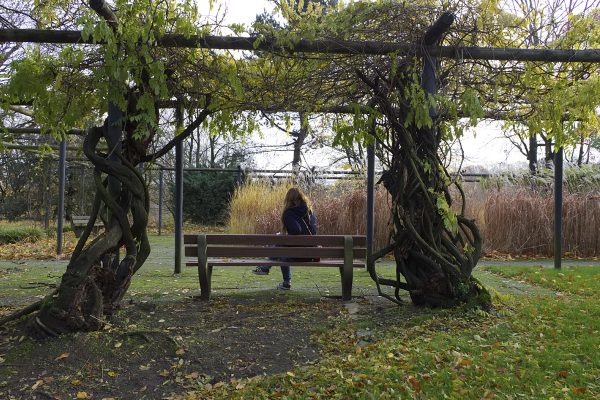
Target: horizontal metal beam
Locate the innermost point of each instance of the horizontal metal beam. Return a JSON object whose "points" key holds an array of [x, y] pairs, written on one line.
{"points": [[37, 131], [261, 171], [15, 146], [327, 46]]}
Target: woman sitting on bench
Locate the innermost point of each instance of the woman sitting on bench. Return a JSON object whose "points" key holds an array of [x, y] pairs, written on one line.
{"points": [[297, 219]]}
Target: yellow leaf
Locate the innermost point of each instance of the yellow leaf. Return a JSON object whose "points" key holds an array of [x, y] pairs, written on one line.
{"points": [[112, 374], [117, 345], [62, 356], [82, 395], [37, 384], [289, 373], [75, 382]]}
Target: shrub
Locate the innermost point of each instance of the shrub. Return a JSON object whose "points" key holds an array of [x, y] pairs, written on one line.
{"points": [[206, 196], [14, 234]]}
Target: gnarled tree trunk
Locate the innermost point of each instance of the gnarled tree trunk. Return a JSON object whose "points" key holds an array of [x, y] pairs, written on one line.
{"points": [[94, 283], [435, 248]]}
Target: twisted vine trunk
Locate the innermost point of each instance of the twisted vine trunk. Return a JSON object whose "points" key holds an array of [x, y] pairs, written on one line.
{"points": [[94, 284], [436, 257]]}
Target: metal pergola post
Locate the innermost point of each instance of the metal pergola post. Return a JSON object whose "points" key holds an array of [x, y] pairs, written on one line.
{"points": [[62, 172], [113, 138], [160, 200], [370, 203], [178, 195], [558, 206]]}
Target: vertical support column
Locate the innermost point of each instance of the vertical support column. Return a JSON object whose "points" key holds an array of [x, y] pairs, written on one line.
{"points": [[160, 200], [558, 207], [113, 134], [239, 180], [82, 190], [370, 204], [62, 173], [113, 137], [347, 271], [178, 194]]}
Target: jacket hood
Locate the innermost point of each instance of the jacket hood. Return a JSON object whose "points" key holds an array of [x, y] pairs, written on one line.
{"points": [[300, 210]]}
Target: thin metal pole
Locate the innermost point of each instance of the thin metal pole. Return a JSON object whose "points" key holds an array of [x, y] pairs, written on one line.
{"points": [[370, 204], [558, 207], [62, 172], [178, 196], [238, 177], [81, 190], [160, 201], [113, 138]]}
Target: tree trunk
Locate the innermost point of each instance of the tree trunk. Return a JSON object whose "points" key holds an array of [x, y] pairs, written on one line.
{"points": [[93, 285], [532, 154], [581, 152], [299, 138], [435, 248]]}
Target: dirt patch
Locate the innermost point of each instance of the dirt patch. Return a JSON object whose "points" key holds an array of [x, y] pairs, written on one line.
{"points": [[152, 349]]}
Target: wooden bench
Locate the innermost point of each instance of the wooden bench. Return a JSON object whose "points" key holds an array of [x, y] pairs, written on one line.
{"points": [[343, 252], [79, 222]]}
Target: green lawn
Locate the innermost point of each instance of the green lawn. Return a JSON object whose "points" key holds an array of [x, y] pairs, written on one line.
{"points": [[252, 342]]}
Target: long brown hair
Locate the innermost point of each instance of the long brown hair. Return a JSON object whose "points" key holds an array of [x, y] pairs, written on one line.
{"points": [[293, 198]]}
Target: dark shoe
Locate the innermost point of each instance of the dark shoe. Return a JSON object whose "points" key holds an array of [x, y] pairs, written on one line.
{"points": [[284, 286], [260, 271]]}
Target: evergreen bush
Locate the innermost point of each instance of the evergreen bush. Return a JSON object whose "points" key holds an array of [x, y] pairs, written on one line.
{"points": [[15, 234], [206, 196]]}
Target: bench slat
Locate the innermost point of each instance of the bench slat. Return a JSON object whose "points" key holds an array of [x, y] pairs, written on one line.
{"points": [[250, 251], [263, 240], [224, 262]]}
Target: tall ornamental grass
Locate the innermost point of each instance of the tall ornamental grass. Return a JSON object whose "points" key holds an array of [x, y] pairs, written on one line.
{"points": [[513, 220], [521, 222], [256, 208]]}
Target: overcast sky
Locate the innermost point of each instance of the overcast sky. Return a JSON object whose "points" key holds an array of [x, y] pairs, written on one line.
{"points": [[483, 146]]}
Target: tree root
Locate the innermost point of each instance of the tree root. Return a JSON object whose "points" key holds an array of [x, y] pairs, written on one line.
{"points": [[21, 313]]}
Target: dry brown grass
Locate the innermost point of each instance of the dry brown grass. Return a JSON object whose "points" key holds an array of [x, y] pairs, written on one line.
{"points": [[513, 221], [256, 208], [521, 222]]}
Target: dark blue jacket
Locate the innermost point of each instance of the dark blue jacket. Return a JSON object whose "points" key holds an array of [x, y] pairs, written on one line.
{"points": [[297, 221]]}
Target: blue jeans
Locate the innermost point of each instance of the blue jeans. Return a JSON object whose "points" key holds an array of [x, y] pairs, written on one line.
{"points": [[286, 271]]}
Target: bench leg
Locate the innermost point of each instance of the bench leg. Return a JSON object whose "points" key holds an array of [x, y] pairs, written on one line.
{"points": [[347, 275], [204, 270], [205, 277], [346, 271]]}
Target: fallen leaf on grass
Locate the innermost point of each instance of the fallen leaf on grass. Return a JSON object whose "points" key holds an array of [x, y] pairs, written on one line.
{"points": [[117, 345], [414, 382], [37, 384], [62, 357], [563, 373], [75, 382], [82, 395]]}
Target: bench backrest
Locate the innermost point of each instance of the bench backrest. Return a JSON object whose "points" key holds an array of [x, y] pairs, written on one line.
{"points": [[321, 246]]}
